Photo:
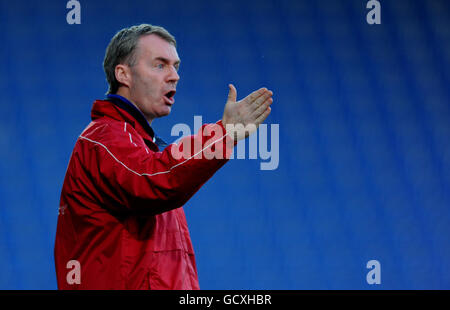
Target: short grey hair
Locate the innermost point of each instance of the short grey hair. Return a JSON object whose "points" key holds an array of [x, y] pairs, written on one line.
{"points": [[122, 49]]}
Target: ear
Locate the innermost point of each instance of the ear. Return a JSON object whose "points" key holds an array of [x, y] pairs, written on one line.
{"points": [[123, 74]]}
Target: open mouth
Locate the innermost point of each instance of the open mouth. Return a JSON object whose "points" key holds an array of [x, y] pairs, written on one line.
{"points": [[168, 97], [170, 94]]}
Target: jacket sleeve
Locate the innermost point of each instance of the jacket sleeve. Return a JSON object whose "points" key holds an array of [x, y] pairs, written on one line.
{"points": [[128, 174]]}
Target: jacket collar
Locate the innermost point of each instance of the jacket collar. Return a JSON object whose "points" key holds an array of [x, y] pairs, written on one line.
{"points": [[121, 109]]}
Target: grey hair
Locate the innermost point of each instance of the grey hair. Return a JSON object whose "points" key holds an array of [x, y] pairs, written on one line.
{"points": [[122, 49]]}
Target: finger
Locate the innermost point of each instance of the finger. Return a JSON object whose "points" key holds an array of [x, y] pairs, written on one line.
{"points": [[260, 109], [261, 100], [263, 116], [232, 93], [254, 95]]}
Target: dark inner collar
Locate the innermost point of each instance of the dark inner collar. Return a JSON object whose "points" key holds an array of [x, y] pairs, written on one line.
{"points": [[129, 107]]}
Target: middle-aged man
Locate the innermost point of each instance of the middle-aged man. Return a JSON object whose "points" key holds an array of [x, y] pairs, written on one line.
{"points": [[121, 224]]}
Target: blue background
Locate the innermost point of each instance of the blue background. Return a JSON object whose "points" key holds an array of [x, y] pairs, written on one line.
{"points": [[364, 116]]}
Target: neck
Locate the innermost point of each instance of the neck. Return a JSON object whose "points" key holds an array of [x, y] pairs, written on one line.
{"points": [[125, 92]]}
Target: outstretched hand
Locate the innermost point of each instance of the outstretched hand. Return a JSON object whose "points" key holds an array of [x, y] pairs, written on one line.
{"points": [[242, 118]]}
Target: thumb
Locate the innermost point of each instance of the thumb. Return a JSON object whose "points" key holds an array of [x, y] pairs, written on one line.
{"points": [[232, 94]]}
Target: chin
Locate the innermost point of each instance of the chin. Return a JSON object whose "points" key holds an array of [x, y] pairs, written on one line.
{"points": [[168, 110], [165, 112]]}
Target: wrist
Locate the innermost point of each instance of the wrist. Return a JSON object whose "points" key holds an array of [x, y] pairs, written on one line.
{"points": [[228, 132]]}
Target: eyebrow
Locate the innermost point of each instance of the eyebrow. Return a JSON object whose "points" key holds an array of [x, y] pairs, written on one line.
{"points": [[167, 61]]}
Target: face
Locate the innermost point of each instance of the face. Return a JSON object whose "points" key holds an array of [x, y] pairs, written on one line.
{"points": [[154, 76]]}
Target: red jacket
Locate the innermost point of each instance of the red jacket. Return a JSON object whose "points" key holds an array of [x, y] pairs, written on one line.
{"points": [[121, 215]]}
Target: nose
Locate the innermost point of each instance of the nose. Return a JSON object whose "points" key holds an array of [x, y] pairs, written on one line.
{"points": [[173, 76]]}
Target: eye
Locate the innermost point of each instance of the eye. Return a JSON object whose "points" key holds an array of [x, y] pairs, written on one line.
{"points": [[160, 66]]}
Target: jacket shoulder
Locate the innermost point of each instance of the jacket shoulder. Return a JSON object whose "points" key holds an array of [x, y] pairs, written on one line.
{"points": [[112, 133], [102, 127]]}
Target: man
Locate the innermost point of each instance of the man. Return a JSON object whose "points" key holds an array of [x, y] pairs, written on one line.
{"points": [[121, 223]]}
